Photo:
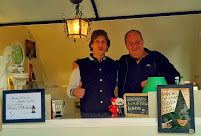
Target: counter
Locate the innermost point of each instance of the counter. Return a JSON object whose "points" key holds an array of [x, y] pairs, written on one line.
{"points": [[93, 126], [74, 125]]}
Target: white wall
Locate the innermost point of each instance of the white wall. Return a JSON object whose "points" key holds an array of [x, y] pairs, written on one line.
{"points": [[177, 37], [198, 56]]}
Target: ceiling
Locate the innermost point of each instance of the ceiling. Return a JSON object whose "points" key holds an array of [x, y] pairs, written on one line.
{"points": [[28, 12]]}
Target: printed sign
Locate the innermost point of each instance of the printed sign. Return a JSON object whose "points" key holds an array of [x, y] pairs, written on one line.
{"points": [[136, 104], [169, 99], [176, 108], [23, 106]]}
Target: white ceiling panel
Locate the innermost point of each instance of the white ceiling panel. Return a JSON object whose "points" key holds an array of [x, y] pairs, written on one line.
{"points": [[14, 11], [110, 8], [49, 11]]}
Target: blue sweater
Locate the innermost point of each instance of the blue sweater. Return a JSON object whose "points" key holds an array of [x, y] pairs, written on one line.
{"points": [[131, 74]]}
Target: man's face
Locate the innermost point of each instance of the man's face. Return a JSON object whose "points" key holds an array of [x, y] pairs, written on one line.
{"points": [[134, 44], [99, 45]]}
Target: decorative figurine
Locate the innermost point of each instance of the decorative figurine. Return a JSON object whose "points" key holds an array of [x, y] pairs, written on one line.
{"points": [[6, 66], [20, 69], [113, 107], [120, 102]]}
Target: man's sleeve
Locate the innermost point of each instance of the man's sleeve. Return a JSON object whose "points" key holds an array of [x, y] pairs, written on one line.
{"points": [[73, 82], [166, 69]]}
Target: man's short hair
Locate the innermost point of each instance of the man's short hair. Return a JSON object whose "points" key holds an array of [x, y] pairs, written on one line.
{"points": [[133, 30], [97, 33]]}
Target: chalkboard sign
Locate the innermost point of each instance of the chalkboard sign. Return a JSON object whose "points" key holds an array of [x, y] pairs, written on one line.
{"points": [[23, 106], [136, 104]]}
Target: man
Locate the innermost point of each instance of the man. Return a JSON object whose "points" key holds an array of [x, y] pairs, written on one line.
{"points": [[141, 63], [94, 80]]}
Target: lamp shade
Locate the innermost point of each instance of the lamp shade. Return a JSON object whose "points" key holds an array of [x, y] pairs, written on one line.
{"points": [[152, 82]]}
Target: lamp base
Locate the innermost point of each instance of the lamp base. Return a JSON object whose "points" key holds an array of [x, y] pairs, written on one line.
{"points": [[76, 1]]}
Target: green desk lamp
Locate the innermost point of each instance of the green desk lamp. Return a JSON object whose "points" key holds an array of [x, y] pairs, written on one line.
{"points": [[152, 82]]}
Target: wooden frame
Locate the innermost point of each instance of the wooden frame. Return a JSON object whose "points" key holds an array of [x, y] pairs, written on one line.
{"points": [[30, 49], [175, 109], [24, 106], [136, 104]]}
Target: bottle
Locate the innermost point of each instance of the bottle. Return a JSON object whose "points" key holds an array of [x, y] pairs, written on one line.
{"points": [[194, 83], [181, 80], [194, 86], [177, 80]]}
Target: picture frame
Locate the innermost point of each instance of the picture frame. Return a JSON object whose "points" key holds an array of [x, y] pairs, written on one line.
{"points": [[175, 109], [24, 106], [136, 105], [30, 49]]}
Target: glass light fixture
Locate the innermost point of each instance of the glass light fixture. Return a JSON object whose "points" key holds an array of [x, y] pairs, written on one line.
{"points": [[77, 27]]}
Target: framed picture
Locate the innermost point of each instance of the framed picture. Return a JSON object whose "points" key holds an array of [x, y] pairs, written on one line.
{"points": [[136, 104], [24, 106], [175, 109], [30, 49]]}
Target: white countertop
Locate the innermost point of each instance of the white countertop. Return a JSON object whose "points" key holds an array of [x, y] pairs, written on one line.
{"points": [[92, 122]]}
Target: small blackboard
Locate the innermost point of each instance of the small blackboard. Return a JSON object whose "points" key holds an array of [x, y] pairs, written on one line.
{"points": [[136, 104]]}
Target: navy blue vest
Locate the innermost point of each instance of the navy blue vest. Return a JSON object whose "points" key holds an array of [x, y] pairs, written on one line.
{"points": [[99, 82]]}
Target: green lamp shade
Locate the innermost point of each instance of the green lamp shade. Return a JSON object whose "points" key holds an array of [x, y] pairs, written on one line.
{"points": [[152, 82]]}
